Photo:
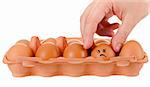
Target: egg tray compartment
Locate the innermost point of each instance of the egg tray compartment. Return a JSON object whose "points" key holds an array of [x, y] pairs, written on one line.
{"points": [[33, 66]]}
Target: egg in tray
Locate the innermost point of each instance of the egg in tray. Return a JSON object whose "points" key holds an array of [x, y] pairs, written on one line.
{"points": [[66, 56]]}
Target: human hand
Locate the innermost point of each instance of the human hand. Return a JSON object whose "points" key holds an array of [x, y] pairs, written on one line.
{"points": [[95, 20]]}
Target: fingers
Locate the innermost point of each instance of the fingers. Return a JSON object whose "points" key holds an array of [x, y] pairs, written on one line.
{"points": [[90, 24], [124, 30], [107, 30], [113, 26], [84, 16]]}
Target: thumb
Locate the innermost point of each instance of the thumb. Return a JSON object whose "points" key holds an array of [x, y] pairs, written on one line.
{"points": [[124, 30]]}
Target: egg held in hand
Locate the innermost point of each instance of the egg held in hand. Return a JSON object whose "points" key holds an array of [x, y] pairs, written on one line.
{"points": [[98, 42], [103, 51]]}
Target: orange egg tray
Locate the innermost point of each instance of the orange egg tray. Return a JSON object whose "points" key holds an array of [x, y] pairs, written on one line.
{"points": [[33, 66]]}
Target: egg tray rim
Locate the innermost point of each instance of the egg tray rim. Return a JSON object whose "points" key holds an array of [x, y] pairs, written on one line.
{"points": [[21, 59], [24, 64]]}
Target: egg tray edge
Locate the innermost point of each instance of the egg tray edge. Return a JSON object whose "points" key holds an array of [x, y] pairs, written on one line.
{"points": [[30, 66]]}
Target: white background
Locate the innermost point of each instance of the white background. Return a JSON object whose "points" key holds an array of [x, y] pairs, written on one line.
{"points": [[21, 19]]}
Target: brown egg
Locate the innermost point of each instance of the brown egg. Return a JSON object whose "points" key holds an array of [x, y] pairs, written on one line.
{"points": [[49, 40], [48, 50], [103, 51], [101, 41], [61, 42], [98, 42], [34, 43], [21, 48], [132, 48], [75, 50], [23, 41]]}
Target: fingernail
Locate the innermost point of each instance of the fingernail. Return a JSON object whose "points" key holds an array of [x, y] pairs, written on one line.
{"points": [[118, 47]]}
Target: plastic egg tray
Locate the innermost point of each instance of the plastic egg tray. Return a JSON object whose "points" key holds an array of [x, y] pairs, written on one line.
{"points": [[33, 66]]}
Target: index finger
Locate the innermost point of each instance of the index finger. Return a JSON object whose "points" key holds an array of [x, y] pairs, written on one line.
{"points": [[96, 14]]}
